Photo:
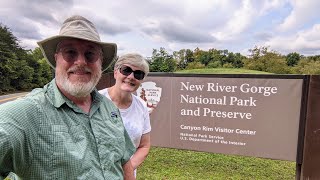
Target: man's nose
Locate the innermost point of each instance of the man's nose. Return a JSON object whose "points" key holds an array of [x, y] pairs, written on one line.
{"points": [[81, 59]]}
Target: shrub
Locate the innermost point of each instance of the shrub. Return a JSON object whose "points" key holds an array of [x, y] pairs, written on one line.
{"points": [[227, 65], [214, 64], [195, 65]]}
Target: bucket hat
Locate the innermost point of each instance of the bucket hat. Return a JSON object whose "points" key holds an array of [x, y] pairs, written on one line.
{"points": [[80, 28]]}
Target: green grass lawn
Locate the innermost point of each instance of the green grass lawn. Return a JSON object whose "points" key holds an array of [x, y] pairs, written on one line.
{"points": [[167, 164]]}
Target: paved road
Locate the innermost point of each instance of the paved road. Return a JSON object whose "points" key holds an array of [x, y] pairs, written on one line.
{"points": [[10, 97]]}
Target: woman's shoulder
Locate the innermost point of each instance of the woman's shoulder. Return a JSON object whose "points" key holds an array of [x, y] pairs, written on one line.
{"points": [[103, 91], [139, 102]]}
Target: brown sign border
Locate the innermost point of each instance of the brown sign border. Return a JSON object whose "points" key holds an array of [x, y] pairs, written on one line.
{"points": [[304, 99], [306, 164]]}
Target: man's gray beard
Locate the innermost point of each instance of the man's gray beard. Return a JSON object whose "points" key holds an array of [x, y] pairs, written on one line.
{"points": [[78, 89]]}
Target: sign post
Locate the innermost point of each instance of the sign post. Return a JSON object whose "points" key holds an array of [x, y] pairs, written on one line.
{"points": [[311, 149]]}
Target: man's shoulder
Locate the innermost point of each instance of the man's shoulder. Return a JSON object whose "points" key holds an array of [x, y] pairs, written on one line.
{"points": [[18, 110], [27, 104], [36, 96]]}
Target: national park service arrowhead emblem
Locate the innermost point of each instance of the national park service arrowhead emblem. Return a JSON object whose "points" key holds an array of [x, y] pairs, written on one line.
{"points": [[150, 94]]}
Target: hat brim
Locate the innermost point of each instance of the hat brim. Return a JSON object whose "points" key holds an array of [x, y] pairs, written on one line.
{"points": [[48, 47]]}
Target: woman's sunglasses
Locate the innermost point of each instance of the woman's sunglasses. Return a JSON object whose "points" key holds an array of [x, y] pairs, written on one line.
{"points": [[126, 70]]}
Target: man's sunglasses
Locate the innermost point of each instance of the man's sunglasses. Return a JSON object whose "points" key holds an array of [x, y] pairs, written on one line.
{"points": [[126, 70], [71, 54]]}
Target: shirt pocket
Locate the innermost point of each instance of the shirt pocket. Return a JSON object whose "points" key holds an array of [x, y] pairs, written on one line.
{"points": [[63, 148]]}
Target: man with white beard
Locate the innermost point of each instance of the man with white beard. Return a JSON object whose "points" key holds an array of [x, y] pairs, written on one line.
{"points": [[67, 130]]}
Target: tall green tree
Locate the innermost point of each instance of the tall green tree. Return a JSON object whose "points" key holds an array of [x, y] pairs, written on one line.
{"points": [[180, 58], [43, 72], [8, 58], [20, 69], [293, 59], [202, 56], [162, 61], [189, 56], [236, 59], [218, 56]]}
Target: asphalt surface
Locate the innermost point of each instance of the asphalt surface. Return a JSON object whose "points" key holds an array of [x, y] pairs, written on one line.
{"points": [[11, 97]]}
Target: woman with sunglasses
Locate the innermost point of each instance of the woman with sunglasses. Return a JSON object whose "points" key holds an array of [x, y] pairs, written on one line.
{"points": [[129, 72]]}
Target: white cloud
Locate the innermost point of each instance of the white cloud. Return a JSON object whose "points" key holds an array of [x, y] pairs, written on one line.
{"points": [[271, 5], [302, 13], [145, 25], [245, 16], [238, 22], [306, 42]]}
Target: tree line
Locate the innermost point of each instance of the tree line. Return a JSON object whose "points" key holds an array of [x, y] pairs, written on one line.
{"points": [[22, 70], [259, 58]]}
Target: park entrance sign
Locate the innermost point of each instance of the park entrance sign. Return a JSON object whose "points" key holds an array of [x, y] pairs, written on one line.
{"points": [[268, 116], [246, 115]]}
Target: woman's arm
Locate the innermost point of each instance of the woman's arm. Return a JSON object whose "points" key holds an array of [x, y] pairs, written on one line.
{"points": [[142, 151], [128, 171]]}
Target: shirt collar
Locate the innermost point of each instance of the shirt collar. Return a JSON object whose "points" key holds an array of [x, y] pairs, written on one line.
{"points": [[54, 95], [58, 99]]}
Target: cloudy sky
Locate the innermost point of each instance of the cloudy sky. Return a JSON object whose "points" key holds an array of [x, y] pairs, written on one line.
{"points": [[142, 25]]}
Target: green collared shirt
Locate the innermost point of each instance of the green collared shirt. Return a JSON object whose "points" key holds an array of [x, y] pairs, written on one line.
{"points": [[46, 136]]}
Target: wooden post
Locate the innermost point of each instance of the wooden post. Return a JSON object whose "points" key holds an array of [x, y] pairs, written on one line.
{"points": [[311, 151]]}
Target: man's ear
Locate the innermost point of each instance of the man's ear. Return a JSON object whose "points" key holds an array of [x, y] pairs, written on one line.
{"points": [[55, 57]]}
